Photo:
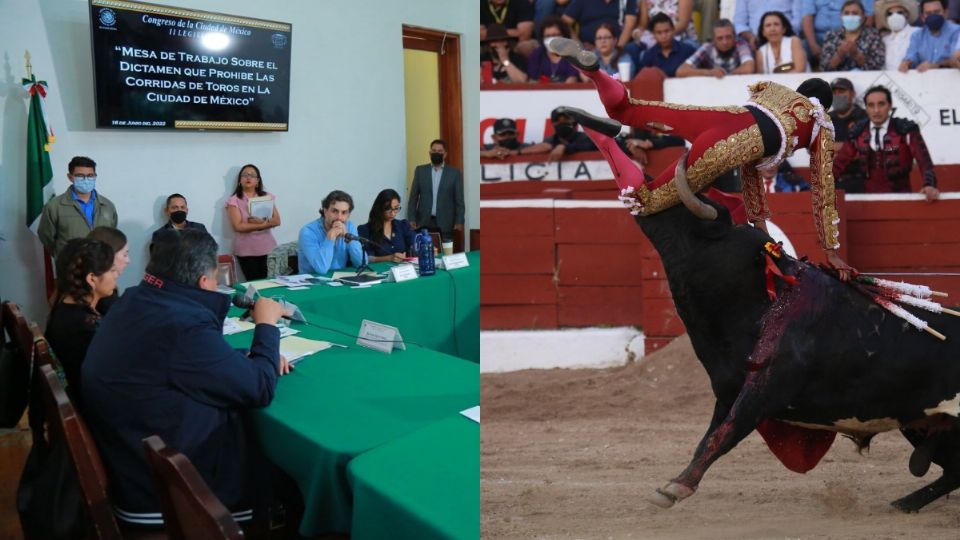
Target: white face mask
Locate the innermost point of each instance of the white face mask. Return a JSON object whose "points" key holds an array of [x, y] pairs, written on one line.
{"points": [[897, 22]]}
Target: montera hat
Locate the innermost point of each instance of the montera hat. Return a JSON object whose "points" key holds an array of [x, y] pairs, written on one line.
{"points": [[880, 11]]}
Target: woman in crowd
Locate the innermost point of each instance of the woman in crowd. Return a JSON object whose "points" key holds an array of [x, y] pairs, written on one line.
{"points": [[390, 236], [780, 50], [546, 67], [121, 258], [253, 241], [86, 274], [854, 46], [608, 53]]}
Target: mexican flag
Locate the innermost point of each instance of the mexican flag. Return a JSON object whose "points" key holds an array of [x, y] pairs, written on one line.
{"points": [[39, 139]]}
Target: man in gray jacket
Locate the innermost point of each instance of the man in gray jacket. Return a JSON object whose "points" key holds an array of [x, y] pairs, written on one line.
{"points": [[78, 210], [436, 196]]}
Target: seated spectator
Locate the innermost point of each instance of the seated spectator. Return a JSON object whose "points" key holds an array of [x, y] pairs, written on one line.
{"points": [[391, 237], [609, 55], [881, 151], [253, 240], [783, 179], [507, 66], [515, 15], [749, 14], [159, 365], [726, 55], [933, 46], [85, 275], [895, 20], [855, 46], [823, 16], [505, 142], [845, 112], [669, 53], [546, 67], [565, 140], [176, 211], [780, 51], [590, 14], [121, 258], [322, 246], [679, 11]]}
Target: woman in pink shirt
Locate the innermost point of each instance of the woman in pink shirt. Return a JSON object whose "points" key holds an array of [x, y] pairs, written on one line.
{"points": [[253, 241]]}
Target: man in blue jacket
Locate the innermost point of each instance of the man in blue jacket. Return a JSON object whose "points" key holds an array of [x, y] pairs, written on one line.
{"points": [[159, 365]]}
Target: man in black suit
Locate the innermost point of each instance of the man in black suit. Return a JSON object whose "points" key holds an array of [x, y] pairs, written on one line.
{"points": [[436, 196]]}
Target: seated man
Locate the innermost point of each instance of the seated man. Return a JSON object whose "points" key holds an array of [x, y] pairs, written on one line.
{"points": [[322, 245], [159, 365], [934, 45], [726, 55], [505, 142], [669, 53], [879, 154], [845, 113], [895, 21], [565, 140], [176, 211]]}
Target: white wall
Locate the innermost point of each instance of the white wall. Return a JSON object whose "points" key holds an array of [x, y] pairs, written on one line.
{"points": [[346, 124]]}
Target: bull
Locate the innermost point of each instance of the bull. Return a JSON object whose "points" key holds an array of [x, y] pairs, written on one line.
{"points": [[820, 359]]}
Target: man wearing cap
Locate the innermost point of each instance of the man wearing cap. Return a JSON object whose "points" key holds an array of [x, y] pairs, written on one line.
{"points": [[933, 46], [895, 21], [880, 151], [566, 139], [505, 142], [507, 65], [845, 113]]}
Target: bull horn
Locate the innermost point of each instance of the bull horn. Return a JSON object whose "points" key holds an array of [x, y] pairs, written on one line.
{"points": [[697, 207]]}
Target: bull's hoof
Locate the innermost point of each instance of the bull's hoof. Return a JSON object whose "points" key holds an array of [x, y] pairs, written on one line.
{"points": [[922, 456], [670, 494]]}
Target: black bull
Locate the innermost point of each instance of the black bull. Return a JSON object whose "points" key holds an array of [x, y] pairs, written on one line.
{"points": [[820, 355]]}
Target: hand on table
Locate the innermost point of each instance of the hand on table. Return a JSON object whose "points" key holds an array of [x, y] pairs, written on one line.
{"points": [[285, 365]]}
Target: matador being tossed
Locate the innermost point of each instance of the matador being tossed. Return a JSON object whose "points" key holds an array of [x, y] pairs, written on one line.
{"points": [[757, 136]]}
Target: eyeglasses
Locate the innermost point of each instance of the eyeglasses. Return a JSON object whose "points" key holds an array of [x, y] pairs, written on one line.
{"points": [[84, 177], [248, 175], [393, 210]]}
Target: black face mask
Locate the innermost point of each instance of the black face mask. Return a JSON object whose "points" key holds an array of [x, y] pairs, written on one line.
{"points": [[564, 131], [436, 158], [512, 143], [178, 217]]}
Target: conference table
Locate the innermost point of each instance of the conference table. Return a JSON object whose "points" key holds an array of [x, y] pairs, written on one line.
{"points": [[340, 403], [440, 312], [422, 486]]}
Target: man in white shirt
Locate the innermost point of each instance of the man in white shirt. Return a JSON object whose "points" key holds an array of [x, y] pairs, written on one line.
{"points": [[894, 19]]}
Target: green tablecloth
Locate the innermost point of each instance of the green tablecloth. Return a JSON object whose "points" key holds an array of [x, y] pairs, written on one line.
{"points": [[440, 312], [340, 403], [422, 486]]}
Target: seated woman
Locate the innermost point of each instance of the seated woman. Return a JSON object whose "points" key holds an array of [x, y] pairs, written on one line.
{"points": [[855, 46], [86, 274], [780, 50], [390, 236], [609, 54], [121, 258], [546, 67]]}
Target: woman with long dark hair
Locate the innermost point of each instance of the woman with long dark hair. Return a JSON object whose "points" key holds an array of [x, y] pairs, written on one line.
{"points": [[121, 258], [86, 274], [253, 241], [390, 236], [780, 50]]}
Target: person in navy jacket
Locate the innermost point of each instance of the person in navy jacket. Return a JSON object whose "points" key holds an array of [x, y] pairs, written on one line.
{"points": [[159, 365], [390, 237]]}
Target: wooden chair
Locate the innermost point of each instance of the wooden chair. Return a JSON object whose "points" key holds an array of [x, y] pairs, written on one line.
{"points": [[190, 510], [226, 269], [67, 427], [18, 329], [41, 348]]}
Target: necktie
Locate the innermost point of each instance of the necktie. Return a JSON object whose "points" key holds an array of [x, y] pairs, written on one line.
{"points": [[876, 138]]}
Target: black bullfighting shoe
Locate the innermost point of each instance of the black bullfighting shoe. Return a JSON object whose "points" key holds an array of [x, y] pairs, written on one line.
{"points": [[607, 126], [574, 53]]}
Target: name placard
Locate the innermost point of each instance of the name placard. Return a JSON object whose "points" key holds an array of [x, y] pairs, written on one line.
{"points": [[380, 337], [403, 272], [457, 260]]}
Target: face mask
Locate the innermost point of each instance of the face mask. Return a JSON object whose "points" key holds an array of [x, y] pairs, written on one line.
{"points": [[934, 22], [178, 217], [564, 131], [841, 103], [84, 186], [512, 143], [851, 22], [897, 22], [436, 158]]}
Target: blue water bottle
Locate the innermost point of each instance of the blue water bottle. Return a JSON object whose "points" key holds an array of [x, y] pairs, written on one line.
{"points": [[424, 245]]}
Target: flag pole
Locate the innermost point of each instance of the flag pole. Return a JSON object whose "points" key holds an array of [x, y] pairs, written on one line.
{"points": [[26, 57], [47, 262]]}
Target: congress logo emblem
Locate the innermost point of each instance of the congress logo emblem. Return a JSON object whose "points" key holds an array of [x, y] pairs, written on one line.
{"points": [[107, 17]]}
